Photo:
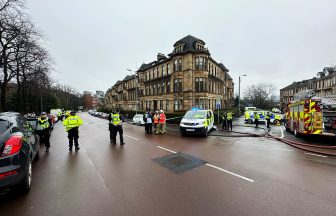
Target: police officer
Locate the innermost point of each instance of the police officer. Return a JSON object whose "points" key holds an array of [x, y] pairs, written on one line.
{"points": [[268, 120], [45, 124], [72, 123], [256, 119], [224, 124], [116, 120], [229, 120]]}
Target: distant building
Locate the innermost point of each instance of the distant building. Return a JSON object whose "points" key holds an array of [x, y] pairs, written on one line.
{"points": [[188, 77], [323, 85], [93, 101]]}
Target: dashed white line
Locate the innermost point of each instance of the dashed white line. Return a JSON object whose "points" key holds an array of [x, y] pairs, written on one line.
{"points": [[167, 149], [132, 137], [317, 155], [231, 173]]}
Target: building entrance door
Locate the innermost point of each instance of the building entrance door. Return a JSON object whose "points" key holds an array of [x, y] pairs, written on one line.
{"points": [[155, 105]]}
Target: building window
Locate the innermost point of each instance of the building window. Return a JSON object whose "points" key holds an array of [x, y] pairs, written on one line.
{"points": [[168, 87], [178, 64], [168, 68], [157, 72], [163, 70], [167, 105], [200, 63], [200, 84], [154, 89], [161, 104], [163, 88], [177, 104], [178, 85], [159, 88]]}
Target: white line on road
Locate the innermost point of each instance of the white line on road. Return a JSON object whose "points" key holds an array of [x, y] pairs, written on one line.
{"points": [[166, 149], [231, 173], [132, 137], [324, 156]]}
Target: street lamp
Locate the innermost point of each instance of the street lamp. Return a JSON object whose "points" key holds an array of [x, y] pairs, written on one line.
{"points": [[136, 90], [239, 95]]}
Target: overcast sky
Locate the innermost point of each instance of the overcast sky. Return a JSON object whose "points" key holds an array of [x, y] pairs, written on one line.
{"points": [[279, 41]]}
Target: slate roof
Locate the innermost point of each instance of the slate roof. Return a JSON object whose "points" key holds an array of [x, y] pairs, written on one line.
{"points": [[223, 67], [189, 44]]}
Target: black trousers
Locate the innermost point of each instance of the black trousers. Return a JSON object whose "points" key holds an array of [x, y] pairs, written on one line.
{"points": [[115, 130], [224, 124], [268, 121], [45, 137], [229, 124], [256, 122], [149, 128], [73, 136]]}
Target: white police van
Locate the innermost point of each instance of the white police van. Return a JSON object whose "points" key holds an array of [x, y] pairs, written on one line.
{"points": [[197, 121]]}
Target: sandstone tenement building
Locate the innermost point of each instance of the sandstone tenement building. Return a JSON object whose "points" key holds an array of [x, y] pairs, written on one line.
{"points": [[188, 77]]}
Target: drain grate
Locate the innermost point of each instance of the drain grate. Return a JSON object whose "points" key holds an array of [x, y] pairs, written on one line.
{"points": [[179, 162]]}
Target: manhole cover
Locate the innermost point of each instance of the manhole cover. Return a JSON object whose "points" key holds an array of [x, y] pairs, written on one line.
{"points": [[179, 162]]}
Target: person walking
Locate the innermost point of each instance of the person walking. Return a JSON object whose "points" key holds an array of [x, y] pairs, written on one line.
{"points": [[145, 120], [224, 123], [156, 121], [111, 126], [256, 119], [116, 121], [162, 123], [45, 125], [229, 120], [72, 123]]}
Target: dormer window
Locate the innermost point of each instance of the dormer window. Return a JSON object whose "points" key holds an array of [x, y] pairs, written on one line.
{"points": [[199, 46], [179, 48]]}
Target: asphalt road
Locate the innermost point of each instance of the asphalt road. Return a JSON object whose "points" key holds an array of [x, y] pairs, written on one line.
{"points": [[241, 176]]}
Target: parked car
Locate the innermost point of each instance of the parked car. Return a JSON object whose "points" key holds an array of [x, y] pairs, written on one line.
{"points": [[138, 119], [19, 147]]}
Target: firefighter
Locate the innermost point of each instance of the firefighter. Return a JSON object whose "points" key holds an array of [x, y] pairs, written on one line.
{"points": [[256, 119], [45, 124], [156, 121], [162, 123], [229, 120], [116, 120], [72, 123]]}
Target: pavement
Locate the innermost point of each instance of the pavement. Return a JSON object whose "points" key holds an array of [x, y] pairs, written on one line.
{"points": [[237, 176]]}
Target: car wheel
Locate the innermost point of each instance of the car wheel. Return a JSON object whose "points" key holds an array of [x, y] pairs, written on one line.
{"points": [[37, 156], [206, 132], [250, 121], [25, 184]]}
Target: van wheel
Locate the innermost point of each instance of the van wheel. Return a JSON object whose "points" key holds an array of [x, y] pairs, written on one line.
{"points": [[276, 122], [250, 121]]}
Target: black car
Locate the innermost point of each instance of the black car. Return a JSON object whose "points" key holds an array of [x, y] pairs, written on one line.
{"points": [[18, 149]]}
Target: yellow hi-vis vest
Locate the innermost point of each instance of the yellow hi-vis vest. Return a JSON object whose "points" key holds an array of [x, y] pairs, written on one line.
{"points": [[229, 116], [44, 123], [115, 119], [72, 122]]}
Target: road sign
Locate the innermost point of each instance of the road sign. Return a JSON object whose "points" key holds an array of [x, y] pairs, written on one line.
{"points": [[218, 104]]}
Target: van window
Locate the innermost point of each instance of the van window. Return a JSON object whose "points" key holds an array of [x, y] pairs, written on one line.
{"points": [[195, 114]]}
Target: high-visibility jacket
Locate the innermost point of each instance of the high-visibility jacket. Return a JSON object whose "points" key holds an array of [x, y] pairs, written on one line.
{"points": [[156, 119], [115, 119], [257, 116], [72, 122], [229, 116], [43, 123], [267, 117], [162, 118]]}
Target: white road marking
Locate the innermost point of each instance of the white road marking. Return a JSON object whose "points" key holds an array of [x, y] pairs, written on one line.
{"points": [[231, 173], [324, 156], [132, 137], [282, 134], [166, 149]]}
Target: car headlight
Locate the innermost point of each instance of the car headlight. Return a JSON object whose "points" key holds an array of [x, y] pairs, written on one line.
{"points": [[201, 123]]}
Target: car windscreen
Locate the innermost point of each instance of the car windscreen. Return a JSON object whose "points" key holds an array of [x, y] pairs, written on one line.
{"points": [[4, 125], [195, 114]]}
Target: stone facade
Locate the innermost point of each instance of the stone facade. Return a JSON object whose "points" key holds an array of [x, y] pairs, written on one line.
{"points": [[323, 85], [188, 77]]}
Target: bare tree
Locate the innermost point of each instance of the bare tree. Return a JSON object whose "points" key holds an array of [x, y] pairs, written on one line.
{"points": [[260, 95]]}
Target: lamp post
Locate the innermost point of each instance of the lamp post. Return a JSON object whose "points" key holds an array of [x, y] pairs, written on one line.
{"points": [[136, 90], [239, 95]]}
